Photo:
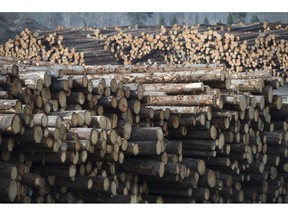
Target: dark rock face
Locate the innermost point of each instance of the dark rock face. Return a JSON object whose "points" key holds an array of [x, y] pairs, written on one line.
{"points": [[12, 24]]}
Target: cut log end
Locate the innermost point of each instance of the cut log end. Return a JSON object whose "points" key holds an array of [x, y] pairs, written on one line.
{"points": [[14, 173], [207, 194], [161, 169], [72, 171], [213, 132], [89, 184], [16, 124], [106, 184], [12, 191], [211, 178], [201, 167]]}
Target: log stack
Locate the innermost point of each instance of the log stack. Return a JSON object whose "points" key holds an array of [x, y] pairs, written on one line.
{"points": [[240, 47], [226, 120], [253, 47], [46, 47], [141, 133]]}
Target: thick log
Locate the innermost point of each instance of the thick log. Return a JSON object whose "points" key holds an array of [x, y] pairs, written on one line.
{"points": [[10, 123], [172, 89], [7, 144], [183, 100], [113, 199], [200, 144], [40, 120], [33, 180], [186, 110], [201, 193], [254, 86], [173, 77], [54, 121], [208, 179], [10, 106], [59, 171], [83, 182], [11, 70], [86, 133], [152, 133], [8, 190], [144, 167], [8, 170], [171, 191], [196, 165], [202, 134], [99, 121], [173, 147], [238, 103]]}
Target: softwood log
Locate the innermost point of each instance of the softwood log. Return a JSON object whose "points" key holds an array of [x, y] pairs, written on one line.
{"points": [[8, 171], [152, 133], [8, 189], [10, 123], [10, 106], [184, 100], [86, 133], [143, 167]]}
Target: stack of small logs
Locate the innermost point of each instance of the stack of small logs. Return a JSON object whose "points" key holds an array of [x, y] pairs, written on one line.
{"points": [[83, 42], [240, 47], [45, 47], [157, 133], [259, 46]]}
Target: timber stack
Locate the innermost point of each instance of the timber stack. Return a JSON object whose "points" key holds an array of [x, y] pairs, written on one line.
{"points": [[141, 133], [240, 47], [259, 46], [48, 47]]}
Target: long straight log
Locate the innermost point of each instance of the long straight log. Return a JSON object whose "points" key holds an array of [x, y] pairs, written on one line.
{"points": [[144, 167], [183, 100]]}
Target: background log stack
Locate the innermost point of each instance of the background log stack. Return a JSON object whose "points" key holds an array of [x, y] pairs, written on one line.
{"points": [[241, 47], [255, 46], [45, 47], [141, 133]]}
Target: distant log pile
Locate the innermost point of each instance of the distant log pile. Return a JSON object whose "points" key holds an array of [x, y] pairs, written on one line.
{"points": [[45, 47], [255, 46], [260, 46], [157, 133]]}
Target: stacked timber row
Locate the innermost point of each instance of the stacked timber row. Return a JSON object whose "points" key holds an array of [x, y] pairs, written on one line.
{"points": [[240, 47], [64, 138], [37, 47], [168, 133], [226, 124], [257, 46], [81, 40]]}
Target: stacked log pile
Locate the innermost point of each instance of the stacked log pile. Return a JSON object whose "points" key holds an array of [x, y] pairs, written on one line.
{"points": [[241, 47], [157, 133], [228, 121], [45, 47], [83, 41], [255, 46], [64, 138]]}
